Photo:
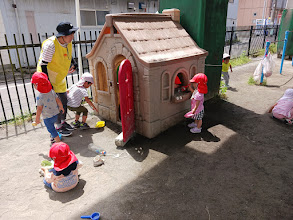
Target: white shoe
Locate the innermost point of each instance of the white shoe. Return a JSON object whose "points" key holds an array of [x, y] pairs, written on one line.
{"points": [[195, 130], [192, 125]]}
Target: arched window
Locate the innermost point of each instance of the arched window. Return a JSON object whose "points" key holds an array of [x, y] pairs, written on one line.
{"points": [[102, 77], [192, 71], [165, 87], [180, 83]]}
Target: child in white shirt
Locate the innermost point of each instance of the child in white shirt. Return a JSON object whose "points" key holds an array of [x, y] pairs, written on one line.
{"points": [[75, 95]]}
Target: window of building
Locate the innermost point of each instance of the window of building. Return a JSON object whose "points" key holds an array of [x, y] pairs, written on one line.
{"points": [[192, 71], [165, 86], [92, 18], [102, 77], [101, 17], [180, 84]]}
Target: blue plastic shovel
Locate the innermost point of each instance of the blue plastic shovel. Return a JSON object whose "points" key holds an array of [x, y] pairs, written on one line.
{"points": [[94, 216]]}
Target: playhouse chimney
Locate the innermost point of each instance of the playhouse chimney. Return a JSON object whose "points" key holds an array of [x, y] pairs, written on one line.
{"points": [[174, 12]]}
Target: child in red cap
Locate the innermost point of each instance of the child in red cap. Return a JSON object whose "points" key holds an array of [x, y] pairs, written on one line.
{"points": [[197, 100], [47, 103], [64, 176]]}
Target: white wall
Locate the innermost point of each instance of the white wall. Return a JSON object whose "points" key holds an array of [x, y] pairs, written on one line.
{"points": [[290, 4], [42, 16], [232, 14]]}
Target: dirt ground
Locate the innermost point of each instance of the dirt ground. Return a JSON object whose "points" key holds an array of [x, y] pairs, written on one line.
{"points": [[239, 167]]}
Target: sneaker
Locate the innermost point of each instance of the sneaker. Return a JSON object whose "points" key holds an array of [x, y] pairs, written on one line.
{"points": [[52, 140], [63, 131], [195, 130], [67, 126], [84, 126], [192, 125], [289, 121], [76, 124]]}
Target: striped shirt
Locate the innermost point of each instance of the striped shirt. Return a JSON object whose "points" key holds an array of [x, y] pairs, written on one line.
{"points": [[48, 51], [75, 95]]}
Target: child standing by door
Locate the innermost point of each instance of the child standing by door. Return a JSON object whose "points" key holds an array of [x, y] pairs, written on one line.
{"points": [[225, 68], [197, 99]]}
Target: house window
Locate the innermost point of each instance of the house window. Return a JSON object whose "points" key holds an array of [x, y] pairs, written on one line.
{"points": [[192, 71], [92, 18], [101, 17], [102, 77], [165, 87], [180, 82]]}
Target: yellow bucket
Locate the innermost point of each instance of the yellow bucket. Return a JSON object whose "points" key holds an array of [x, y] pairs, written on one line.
{"points": [[100, 124]]}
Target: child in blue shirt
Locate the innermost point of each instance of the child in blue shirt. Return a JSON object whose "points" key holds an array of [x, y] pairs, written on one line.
{"points": [[47, 103]]}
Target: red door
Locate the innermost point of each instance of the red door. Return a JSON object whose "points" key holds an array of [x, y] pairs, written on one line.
{"points": [[126, 99]]}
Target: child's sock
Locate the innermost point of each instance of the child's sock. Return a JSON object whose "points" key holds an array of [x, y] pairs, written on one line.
{"points": [[58, 125]]}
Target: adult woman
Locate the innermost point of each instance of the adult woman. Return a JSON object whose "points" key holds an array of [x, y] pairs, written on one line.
{"points": [[56, 61]]}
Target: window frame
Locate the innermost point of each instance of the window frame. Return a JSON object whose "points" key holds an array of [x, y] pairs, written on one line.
{"points": [[165, 87], [96, 21], [106, 77]]}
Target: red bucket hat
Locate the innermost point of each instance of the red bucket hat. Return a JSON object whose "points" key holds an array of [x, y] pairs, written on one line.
{"points": [[62, 156], [202, 80], [43, 84]]}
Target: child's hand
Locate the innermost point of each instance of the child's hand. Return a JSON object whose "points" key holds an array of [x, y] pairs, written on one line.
{"points": [[61, 109]]}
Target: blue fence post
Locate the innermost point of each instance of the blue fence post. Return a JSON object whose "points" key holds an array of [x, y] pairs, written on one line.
{"points": [[266, 53], [284, 50]]}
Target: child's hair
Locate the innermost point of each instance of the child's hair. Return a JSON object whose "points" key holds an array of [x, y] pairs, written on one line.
{"points": [[42, 82]]}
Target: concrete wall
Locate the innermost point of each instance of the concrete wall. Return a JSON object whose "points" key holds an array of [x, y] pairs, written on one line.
{"points": [[250, 10], [232, 14], [289, 4], [4, 54], [42, 16]]}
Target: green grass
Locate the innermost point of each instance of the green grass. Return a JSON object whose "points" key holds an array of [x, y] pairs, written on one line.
{"points": [[243, 59], [222, 91], [261, 52], [251, 81], [19, 120]]}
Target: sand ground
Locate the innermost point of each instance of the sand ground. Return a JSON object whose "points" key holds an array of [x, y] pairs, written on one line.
{"points": [[239, 167]]}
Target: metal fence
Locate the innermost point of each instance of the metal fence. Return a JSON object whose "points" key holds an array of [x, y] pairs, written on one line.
{"points": [[18, 60], [248, 40]]}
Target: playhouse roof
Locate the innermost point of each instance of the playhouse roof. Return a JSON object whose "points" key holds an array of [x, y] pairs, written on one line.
{"points": [[154, 38]]}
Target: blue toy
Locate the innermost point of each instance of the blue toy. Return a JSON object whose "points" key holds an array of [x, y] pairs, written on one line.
{"points": [[94, 216]]}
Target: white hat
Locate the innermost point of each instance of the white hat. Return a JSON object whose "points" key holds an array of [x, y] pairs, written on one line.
{"points": [[86, 77], [225, 55]]}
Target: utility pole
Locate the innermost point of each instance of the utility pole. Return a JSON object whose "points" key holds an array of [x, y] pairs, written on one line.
{"points": [[274, 10], [264, 8]]}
